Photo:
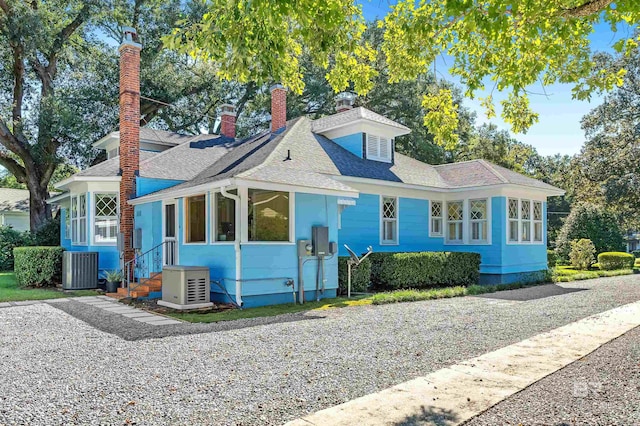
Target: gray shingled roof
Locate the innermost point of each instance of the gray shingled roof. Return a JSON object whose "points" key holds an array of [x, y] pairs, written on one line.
{"points": [[14, 200], [163, 137], [111, 167]]}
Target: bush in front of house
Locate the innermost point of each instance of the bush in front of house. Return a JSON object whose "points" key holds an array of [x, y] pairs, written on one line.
{"points": [[360, 275], [636, 254], [591, 222], [582, 254], [393, 271], [38, 266], [552, 258], [10, 239], [613, 260]]}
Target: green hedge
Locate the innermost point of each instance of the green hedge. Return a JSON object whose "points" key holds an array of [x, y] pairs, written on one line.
{"points": [[10, 239], [392, 271], [360, 275], [38, 266], [612, 260], [636, 253], [552, 258]]}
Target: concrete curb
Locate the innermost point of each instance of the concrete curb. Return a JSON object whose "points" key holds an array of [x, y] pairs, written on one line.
{"points": [[455, 394]]}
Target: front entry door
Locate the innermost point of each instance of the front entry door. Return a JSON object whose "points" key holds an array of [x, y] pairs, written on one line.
{"points": [[169, 234]]}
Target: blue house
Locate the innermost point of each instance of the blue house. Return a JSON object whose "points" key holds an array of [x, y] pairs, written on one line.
{"points": [[240, 207]]}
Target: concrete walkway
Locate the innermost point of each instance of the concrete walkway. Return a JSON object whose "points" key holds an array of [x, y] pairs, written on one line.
{"points": [[109, 304], [453, 395]]}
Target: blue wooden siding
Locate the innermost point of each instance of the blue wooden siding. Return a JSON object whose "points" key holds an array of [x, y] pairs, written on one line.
{"points": [[146, 186], [352, 143]]}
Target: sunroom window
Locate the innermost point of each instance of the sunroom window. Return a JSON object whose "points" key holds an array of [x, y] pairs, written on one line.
{"points": [[455, 216], [79, 219], [225, 217], [537, 221], [436, 218], [379, 148], [513, 220], [105, 218], [196, 223], [268, 215], [389, 220], [478, 220], [525, 214]]}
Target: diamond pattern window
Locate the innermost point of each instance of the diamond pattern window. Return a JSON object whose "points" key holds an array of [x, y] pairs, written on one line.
{"points": [[478, 220], [389, 218], [455, 214], [105, 218], [436, 218]]}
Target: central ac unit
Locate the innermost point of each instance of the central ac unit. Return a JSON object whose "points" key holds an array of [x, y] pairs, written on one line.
{"points": [[185, 287]]}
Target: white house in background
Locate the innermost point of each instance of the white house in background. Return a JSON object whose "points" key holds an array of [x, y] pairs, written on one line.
{"points": [[14, 208]]}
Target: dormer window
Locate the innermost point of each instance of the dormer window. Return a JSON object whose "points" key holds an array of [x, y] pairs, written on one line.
{"points": [[379, 148]]}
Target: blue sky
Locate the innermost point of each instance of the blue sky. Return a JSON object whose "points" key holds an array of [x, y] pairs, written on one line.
{"points": [[558, 129]]}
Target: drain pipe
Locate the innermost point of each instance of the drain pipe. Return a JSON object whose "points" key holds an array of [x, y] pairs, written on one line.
{"points": [[236, 199]]}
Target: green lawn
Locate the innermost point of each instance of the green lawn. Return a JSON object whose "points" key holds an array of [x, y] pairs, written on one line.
{"points": [[10, 292], [568, 273]]}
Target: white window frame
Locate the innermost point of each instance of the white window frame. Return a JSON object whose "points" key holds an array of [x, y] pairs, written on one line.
{"points": [[185, 220], [214, 218], [379, 141], [537, 221], [76, 220], [511, 220], [521, 222], [433, 218], [67, 223], [94, 217], [485, 220], [243, 192], [460, 221], [395, 221]]}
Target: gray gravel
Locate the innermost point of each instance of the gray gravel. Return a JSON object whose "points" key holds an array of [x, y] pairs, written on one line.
{"points": [[57, 369], [603, 388]]}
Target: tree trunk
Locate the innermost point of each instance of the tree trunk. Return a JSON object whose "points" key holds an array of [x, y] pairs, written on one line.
{"points": [[39, 210]]}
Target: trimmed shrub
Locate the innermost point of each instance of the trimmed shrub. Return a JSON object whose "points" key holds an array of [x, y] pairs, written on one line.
{"points": [[393, 271], [552, 258], [613, 260], [38, 266], [10, 239], [636, 253], [360, 275], [48, 234], [592, 222], [582, 253]]}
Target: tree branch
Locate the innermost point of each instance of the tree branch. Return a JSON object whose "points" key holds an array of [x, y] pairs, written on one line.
{"points": [[587, 8], [12, 142], [15, 168]]}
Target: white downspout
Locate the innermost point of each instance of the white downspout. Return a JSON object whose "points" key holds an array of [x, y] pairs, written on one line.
{"points": [[236, 199]]}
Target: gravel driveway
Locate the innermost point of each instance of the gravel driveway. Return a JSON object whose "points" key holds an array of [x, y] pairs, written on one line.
{"points": [[57, 369]]}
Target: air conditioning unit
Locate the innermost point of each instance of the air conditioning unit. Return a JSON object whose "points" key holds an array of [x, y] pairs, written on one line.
{"points": [[185, 287], [79, 270]]}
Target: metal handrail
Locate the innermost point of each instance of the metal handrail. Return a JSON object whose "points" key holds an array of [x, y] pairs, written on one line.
{"points": [[147, 265]]}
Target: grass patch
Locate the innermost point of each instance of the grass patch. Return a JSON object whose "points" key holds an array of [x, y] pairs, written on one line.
{"points": [[269, 311], [11, 292], [565, 274]]}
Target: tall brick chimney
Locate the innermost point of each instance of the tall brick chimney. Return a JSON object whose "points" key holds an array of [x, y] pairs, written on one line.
{"points": [[228, 118], [278, 107], [129, 132]]}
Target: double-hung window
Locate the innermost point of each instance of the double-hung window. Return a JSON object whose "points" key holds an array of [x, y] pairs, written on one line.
{"points": [[514, 217], [525, 213], [436, 218], [389, 220], [67, 224], [478, 220], [455, 217], [379, 148], [79, 219], [105, 218], [537, 221]]}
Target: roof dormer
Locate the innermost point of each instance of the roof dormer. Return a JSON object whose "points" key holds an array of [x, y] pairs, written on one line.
{"points": [[362, 132]]}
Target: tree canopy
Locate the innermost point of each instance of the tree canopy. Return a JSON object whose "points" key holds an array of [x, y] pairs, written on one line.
{"points": [[508, 43]]}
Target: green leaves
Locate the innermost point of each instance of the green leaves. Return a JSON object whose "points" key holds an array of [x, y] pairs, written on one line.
{"points": [[441, 117]]}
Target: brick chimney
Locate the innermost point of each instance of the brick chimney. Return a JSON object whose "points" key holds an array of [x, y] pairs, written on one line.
{"points": [[129, 132], [228, 121], [278, 107]]}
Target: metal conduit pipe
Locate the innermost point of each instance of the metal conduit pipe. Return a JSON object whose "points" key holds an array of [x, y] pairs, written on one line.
{"points": [[236, 245]]}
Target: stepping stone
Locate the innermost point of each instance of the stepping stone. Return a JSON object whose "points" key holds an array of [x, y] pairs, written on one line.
{"points": [[138, 315], [150, 319], [165, 322], [120, 310], [5, 304], [62, 299], [27, 303]]}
